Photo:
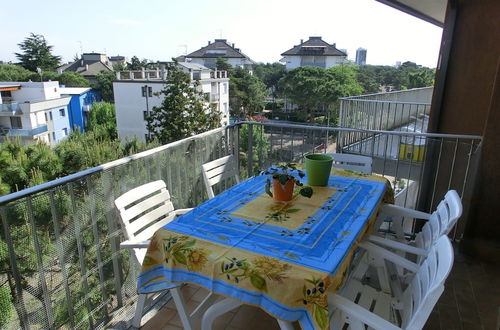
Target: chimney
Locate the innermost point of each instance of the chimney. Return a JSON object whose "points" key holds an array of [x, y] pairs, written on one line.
{"points": [[209, 42], [86, 67], [334, 45], [301, 41], [233, 44]]}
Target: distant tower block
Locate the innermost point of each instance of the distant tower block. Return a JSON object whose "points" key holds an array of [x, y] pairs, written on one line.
{"points": [[361, 56]]}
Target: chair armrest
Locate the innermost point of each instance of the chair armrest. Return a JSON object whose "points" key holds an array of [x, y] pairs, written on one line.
{"points": [[394, 210], [390, 256], [357, 312], [396, 245], [129, 244], [182, 211]]}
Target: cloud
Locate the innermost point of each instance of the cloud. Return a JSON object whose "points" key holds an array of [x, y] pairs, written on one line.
{"points": [[124, 21]]}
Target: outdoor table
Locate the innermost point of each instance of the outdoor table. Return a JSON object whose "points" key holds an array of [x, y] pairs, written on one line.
{"points": [[281, 256]]}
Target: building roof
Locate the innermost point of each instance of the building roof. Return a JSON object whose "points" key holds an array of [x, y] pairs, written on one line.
{"points": [[193, 66], [74, 90], [315, 46], [218, 48], [86, 70]]}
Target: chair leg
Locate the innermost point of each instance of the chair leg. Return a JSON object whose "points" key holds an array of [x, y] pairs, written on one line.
{"points": [[181, 308], [216, 310], [139, 307], [285, 325]]}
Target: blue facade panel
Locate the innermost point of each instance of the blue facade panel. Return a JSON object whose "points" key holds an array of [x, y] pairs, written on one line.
{"points": [[78, 109]]}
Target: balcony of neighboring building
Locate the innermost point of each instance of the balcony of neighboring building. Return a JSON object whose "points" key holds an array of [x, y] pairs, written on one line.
{"points": [[23, 132], [10, 109]]}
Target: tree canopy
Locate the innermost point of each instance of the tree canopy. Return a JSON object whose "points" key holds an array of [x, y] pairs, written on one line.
{"points": [[10, 72], [104, 85], [137, 64], [246, 93], [103, 114], [72, 79], [311, 87], [37, 53], [183, 112]]}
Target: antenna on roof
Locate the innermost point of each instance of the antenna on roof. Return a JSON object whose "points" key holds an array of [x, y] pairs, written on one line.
{"points": [[220, 33], [81, 47]]}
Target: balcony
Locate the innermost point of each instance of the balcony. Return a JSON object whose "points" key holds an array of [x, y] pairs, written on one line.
{"points": [[9, 109], [62, 254], [23, 132], [214, 97]]}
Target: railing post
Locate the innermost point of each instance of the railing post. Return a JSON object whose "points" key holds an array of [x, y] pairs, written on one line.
{"points": [[236, 146], [250, 150]]}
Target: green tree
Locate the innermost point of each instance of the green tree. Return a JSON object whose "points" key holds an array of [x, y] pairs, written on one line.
{"points": [[183, 111], [246, 93], [312, 87], [103, 114], [270, 74], [421, 78], [36, 53], [104, 85], [9, 72], [72, 79], [137, 64]]}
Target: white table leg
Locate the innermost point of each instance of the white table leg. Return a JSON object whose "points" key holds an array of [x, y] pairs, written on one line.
{"points": [[217, 310]]}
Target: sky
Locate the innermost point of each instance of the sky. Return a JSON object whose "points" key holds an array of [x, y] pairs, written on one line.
{"points": [[262, 29]]}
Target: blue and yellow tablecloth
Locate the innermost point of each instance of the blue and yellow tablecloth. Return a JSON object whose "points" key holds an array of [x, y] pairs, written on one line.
{"points": [[283, 257]]}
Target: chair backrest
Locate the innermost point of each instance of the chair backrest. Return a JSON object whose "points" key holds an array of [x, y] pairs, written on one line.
{"points": [[423, 292], [219, 170], [352, 162], [143, 210]]}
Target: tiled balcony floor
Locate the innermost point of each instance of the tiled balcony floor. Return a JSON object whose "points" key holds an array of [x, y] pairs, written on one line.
{"points": [[471, 301]]}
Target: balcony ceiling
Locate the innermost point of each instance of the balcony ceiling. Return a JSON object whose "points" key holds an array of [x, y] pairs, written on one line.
{"points": [[432, 11]]}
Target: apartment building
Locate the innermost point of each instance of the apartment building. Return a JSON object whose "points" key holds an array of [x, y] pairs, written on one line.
{"points": [[208, 55], [34, 111], [82, 99], [135, 95], [313, 52]]}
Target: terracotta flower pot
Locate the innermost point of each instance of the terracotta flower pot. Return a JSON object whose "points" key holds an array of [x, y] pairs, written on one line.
{"points": [[283, 193]]}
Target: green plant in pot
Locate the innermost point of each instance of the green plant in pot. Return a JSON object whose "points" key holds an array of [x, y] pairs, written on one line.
{"points": [[283, 182]]}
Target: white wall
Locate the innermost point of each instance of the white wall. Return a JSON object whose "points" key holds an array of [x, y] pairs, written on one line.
{"points": [[36, 91], [130, 105], [334, 61]]}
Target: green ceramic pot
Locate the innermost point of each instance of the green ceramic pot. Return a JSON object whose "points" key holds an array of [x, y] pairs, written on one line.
{"points": [[318, 169]]}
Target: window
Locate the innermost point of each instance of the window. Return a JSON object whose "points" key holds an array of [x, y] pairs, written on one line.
{"points": [[147, 91], [54, 136], [46, 117], [15, 122], [62, 113], [50, 115], [64, 132], [225, 88]]}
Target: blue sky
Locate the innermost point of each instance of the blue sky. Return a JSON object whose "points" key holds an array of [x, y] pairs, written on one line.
{"points": [[262, 29]]}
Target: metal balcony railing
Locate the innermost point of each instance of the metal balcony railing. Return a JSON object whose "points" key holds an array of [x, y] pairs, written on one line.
{"points": [[24, 132], [10, 107], [61, 262]]}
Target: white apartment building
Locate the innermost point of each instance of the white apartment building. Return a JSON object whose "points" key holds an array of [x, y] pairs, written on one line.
{"points": [[208, 55], [33, 111], [135, 96], [313, 52]]}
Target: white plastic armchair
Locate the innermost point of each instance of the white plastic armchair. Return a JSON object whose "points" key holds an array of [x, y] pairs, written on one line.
{"points": [[143, 210], [219, 170], [359, 305], [439, 223], [352, 162]]}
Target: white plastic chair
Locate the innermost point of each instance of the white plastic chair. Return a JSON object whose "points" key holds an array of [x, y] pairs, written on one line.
{"points": [[143, 210], [439, 223], [219, 170], [352, 162], [359, 305]]}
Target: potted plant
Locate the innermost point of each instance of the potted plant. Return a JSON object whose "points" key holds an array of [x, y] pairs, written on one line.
{"points": [[284, 181]]}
